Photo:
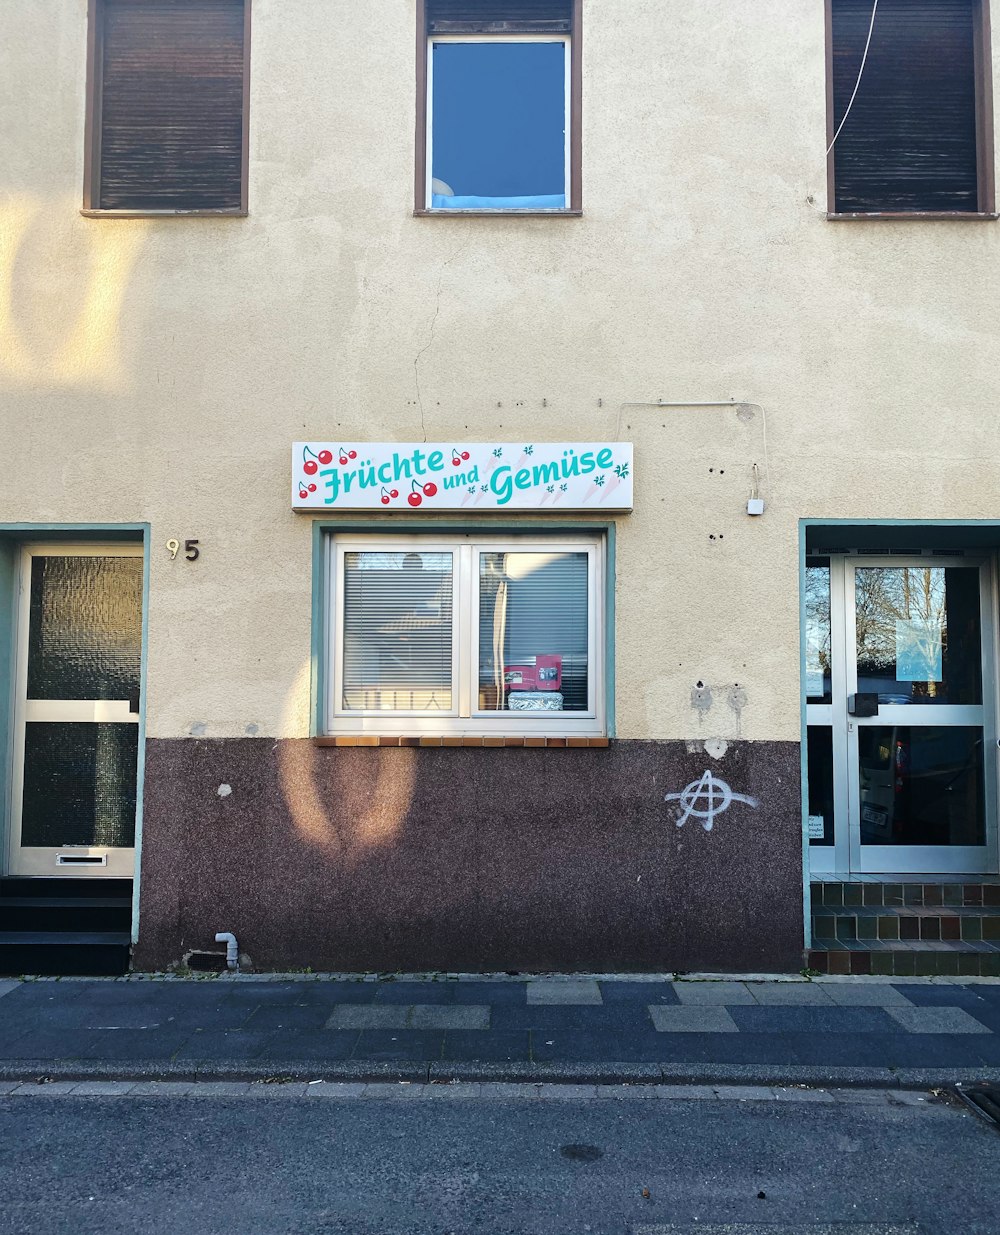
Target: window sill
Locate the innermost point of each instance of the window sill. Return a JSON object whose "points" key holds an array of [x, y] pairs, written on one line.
{"points": [[498, 214], [164, 214], [961, 216], [377, 739]]}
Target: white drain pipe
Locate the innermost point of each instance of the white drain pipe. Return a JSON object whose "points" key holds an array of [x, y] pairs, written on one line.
{"points": [[232, 948]]}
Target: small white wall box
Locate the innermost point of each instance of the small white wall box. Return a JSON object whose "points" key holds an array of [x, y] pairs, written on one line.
{"points": [[755, 506]]}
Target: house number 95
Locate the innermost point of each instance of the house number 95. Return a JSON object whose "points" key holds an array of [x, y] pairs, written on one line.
{"points": [[191, 551]]}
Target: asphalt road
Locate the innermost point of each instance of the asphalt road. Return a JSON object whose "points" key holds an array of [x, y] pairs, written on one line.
{"points": [[389, 1163]]}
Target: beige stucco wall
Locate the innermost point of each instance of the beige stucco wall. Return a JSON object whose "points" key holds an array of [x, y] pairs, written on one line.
{"points": [[159, 370]]}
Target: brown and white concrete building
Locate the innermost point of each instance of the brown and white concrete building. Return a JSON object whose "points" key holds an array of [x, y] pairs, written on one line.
{"points": [[498, 484]]}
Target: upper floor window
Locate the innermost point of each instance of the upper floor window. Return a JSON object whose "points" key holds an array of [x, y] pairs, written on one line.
{"points": [[167, 122], [499, 102], [910, 107]]}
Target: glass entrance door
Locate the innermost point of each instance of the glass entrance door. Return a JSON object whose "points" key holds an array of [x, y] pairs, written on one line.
{"points": [[902, 749], [77, 711]]}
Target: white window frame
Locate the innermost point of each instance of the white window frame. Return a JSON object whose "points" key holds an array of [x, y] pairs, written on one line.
{"points": [[566, 40], [464, 718]]}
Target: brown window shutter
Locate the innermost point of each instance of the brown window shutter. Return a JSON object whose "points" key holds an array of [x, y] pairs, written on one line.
{"points": [[499, 16], [909, 143], [171, 105]]}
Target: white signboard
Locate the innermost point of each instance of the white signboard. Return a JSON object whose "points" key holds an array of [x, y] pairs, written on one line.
{"points": [[471, 476]]}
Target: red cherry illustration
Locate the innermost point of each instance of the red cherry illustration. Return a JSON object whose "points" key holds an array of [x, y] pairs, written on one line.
{"points": [[394, 493], [465, 454], [352, 454], [343, 460], [310, 467], [325, 456], [456, 459], [414, 499], [385, 499], [386, 495], [302, 492], [430, 489], [311, 488]]}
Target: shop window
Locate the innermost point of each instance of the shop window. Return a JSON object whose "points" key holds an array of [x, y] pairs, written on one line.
{"points": [[465, 635], [910, 107], [167, 122], [499, 106]]}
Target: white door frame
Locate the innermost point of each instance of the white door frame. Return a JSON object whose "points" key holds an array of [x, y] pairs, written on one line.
{"points": [[67, 860], [848, 855]]}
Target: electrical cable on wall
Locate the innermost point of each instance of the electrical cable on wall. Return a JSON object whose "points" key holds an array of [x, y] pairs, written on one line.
{"points": [[857, 84]]}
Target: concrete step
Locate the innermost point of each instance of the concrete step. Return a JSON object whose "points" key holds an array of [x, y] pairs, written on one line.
{"points": [[65, 953]]}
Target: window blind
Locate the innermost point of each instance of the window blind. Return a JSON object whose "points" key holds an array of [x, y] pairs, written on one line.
{"points": [[909, 143], [398, 631], [499, 16], [532, 605], [170, 106]]}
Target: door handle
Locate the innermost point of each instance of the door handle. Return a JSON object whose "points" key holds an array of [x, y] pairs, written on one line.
{"points": [[863, 704]]}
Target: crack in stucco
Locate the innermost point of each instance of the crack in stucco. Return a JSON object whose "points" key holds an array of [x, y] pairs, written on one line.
{"points": [[430, 339]]}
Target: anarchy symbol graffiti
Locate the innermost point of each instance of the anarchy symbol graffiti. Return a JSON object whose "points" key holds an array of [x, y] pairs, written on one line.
{"points": [[705, 799]]}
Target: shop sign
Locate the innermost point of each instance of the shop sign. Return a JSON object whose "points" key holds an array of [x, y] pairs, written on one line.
{"points": [[470, 476]]}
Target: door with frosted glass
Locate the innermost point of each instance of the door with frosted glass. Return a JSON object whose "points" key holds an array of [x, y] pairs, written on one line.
{"points": [[921, 740], [77, 711]]}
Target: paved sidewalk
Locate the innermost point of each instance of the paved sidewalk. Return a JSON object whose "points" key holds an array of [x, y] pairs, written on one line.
{"points": [[469, 1028]]}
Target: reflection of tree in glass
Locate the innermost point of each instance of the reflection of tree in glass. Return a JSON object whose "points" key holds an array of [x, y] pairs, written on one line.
{"points": [[818, 617], [885, 595]]}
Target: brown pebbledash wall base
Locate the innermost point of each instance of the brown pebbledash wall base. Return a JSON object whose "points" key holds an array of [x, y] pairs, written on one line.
{"points": [[473, 860]]}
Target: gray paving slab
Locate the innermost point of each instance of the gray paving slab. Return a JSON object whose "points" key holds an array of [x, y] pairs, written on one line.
{"points": [[454, 1090], [368, 1016], [744, 1093], [51, 1089], [702, 993], [7, 985], [449, 1016], [564, 991], [293, 1089], [789, 995], [626, 1093], [703, 1019], [103, 1089], [221, 1089], [161, 1089], [694, 1093], [868, 995], [567, 1093], [400, 1091], [336, 1089], [795, 1093], [936, 1020]]}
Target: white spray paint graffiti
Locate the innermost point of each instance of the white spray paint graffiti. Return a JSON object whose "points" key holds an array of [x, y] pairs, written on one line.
{"points": [[705, 799]]}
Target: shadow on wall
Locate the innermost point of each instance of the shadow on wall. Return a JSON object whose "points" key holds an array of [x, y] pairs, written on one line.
{"points": [[63, 283], [474, 859]]}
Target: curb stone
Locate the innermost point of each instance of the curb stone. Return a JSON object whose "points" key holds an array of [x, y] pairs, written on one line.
{"points": [[663, 1075]]}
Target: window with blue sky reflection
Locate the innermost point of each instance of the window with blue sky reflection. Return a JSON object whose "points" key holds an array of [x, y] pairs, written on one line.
{"points": [[498, 132]]}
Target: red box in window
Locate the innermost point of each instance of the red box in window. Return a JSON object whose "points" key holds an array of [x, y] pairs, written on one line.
{"points": [[544, 674]]}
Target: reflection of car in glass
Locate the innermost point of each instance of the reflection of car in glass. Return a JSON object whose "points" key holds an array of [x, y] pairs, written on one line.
{"points": [[918, 784]]}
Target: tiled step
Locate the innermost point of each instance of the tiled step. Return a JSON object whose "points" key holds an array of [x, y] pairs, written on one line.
{"points": [[984, 892], [905, 959], [909, 922], [940, 927]]}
